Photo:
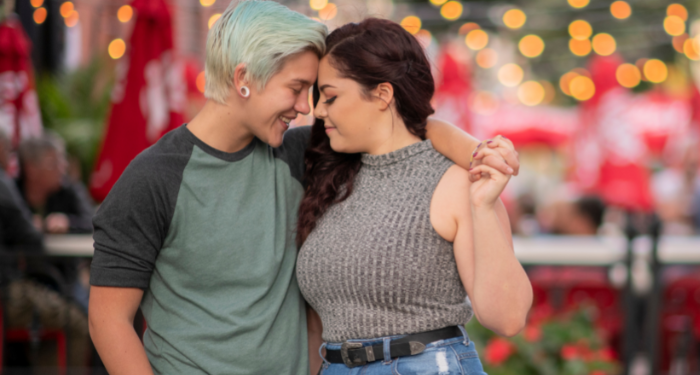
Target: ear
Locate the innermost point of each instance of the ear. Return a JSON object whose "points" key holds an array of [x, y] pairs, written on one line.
{"points": [[240, 77], [384, 94]]}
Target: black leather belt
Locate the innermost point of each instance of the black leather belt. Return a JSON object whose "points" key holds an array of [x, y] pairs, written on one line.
{"points": [[353, 354]]}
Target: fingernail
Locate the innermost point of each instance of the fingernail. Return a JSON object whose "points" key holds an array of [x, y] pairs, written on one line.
{"points": [[510, 170], [489, 142], [475, 154]]}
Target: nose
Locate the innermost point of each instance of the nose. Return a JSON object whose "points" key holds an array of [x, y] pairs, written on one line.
{"points": [[320, 111], [302, 105]]}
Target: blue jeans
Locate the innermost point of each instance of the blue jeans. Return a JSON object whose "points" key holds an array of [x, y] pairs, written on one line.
{"points": [[455, 356]]}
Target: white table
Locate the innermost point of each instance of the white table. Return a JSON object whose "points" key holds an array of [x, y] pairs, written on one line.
{"points": [[581, 250]]}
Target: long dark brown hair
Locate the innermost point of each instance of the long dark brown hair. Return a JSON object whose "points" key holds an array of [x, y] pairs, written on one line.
{"points": [[370, 52]]}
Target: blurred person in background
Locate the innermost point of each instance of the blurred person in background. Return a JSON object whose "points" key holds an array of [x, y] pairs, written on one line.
{"points": [[58, 203], [676, 192], [581, 216], [28, 303]]}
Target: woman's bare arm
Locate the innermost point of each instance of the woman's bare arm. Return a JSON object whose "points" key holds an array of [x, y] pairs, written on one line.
{"points": [[495, 281], [459, 146]]}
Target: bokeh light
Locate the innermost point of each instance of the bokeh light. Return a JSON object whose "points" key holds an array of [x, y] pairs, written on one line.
{"points": [[531, 93], [467, 27], [549, 92], [411, 24], [640, 65], [37, 3], [674, 25], [452, 10], [328, 12], [212, 20], [691, 48], [580, 30], [582, 72], [604, 44], [677, 10], [678, 42], [425, 38], [201, 82], [655, 70], [438, 2], [487, 58], [578, 4], [66, 9], [580, 47], [628, 75], [514, 18], [510, 75], [207, 3], [477, 39], [582, 88], [565, 82], [483, 103], [40, 15], [116, 48], [72, 19], [318, 4], [125, 13], [620, 10], [531, 46]]}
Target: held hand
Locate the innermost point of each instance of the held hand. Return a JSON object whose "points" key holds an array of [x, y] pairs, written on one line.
{"points": [[57, 223], [484, 192], [505, 159]]}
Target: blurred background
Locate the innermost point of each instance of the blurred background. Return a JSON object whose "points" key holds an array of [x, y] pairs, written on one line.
{"points": [[601, 99]]}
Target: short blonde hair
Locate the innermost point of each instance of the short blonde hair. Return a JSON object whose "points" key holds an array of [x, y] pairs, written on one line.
{"points": [[262, 34]]}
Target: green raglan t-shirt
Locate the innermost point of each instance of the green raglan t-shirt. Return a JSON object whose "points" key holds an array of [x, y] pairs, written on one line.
{"points": [[209, 236]]}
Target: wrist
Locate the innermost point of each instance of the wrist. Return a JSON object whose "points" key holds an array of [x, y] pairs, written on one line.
{"points": [[483, 208]]}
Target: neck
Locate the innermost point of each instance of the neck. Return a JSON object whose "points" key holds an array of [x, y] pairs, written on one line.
{"points": [[221, 127], [399, 138]]}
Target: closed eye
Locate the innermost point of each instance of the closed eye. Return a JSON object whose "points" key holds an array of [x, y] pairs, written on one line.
{"points": [[331, 100]]}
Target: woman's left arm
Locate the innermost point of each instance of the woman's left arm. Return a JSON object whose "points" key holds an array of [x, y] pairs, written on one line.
{"points": [[459, 146]]}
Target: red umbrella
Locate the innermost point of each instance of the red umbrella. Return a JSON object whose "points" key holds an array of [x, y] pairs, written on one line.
{"points": [[19, 105], [453, 90], [148, 99]]}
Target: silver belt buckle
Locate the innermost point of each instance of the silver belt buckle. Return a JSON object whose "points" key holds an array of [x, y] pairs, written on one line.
{"points": [[344, 354]]}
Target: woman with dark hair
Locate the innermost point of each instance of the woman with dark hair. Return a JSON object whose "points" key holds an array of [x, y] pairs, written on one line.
{"points": [[393, 235]]}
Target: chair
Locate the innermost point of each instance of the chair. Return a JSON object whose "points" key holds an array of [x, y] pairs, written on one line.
{"points": [[29, 335]]}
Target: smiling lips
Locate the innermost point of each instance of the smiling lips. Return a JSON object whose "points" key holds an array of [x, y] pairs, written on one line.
{"points": [[329, 129], [286, 121]]}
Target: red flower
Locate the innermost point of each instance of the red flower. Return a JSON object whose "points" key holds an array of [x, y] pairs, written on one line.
{"points": [[605, 354], [497, 351], [532, 333], [569, 352]]}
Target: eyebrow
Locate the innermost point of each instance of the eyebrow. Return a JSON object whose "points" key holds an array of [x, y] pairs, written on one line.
{"points": [[325, 87], [303, 81]]}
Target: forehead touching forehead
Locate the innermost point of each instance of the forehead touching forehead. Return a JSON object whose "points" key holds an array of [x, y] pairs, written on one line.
{"points": [[263, 35], [301, 68]]}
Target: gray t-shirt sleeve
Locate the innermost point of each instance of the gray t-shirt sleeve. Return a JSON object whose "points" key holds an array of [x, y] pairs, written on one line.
{"points": [[292, 150], [133, 221]]}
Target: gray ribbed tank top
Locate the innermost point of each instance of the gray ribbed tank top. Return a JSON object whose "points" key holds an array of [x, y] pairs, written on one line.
{"points": [[374, 266]]}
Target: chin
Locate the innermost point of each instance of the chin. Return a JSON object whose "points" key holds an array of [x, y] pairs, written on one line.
{"points": [[275, 139], [341, 147]]}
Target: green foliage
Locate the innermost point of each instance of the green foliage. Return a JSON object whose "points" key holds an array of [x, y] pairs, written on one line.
{"points": [[565, 345], [75, 106]]}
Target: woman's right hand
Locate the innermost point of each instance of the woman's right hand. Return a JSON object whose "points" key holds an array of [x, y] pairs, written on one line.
{"points": [[485, 191]]}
